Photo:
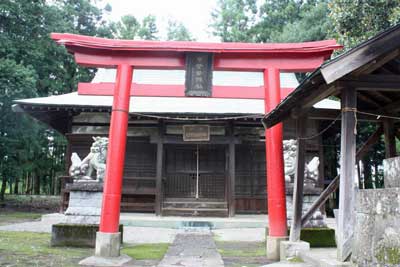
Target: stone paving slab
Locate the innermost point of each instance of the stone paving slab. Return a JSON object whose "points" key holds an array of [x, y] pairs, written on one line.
{"points": [[192, 250]]}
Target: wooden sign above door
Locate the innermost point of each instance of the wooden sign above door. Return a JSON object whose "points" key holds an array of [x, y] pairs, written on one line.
{"points": [[193, 133]]}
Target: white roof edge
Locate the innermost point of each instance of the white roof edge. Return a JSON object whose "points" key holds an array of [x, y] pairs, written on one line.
{"points": [[183, 105]]}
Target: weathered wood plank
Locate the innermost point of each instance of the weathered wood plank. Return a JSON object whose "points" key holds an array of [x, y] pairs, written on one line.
{"points": [[373, 49], [298, 180], [347, 173]]}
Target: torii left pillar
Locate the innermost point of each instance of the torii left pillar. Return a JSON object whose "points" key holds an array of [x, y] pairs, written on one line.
{"points": [[277, 223], [108, 239]]}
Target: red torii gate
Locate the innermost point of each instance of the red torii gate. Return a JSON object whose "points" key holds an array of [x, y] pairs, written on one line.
{"points": [[125, 55]]}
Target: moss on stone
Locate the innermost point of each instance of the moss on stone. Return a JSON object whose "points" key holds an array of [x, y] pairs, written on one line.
{"points": [[76, 235], [387, 255], [319, 237]]}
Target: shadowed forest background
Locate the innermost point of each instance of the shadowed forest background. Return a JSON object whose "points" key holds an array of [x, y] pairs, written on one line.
{"points": [[32, 156]]}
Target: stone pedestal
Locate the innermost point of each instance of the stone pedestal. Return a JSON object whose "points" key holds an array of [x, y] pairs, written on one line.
{"points": [[273, 247], [291, 249], [85, 202], [311, 194]]}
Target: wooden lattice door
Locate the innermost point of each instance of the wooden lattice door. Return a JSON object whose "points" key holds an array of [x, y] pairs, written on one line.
{"points": [[195, 171]]}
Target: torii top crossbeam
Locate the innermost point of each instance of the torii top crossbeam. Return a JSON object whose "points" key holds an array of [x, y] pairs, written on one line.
{"points": [[102, 52]]}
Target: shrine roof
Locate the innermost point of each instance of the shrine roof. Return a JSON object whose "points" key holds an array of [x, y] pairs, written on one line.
{"points": [[161, 105], [75, 42]]}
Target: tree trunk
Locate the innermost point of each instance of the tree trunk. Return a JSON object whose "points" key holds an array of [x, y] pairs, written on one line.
{"points": [[36, 187], [3, 187], [367, 174], [28, 183], [16, 185]]}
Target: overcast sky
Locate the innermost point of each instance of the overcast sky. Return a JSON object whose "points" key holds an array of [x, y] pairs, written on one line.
{"points": [[194, 14]]}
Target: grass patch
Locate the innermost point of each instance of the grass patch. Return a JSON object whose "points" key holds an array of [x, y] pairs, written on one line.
{"points": [[155, 251], [295, 259], [33, 249], [9, 217], [234, 249]]}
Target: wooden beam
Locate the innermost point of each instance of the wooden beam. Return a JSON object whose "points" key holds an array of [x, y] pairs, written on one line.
{"points": [[321, 93], [390, 141], [159, 166], [381, 96], [373, 49], [231, 172], [368, 100], [216, 140], [298, 180], [347, 172], [377, 63], [321, 200]]}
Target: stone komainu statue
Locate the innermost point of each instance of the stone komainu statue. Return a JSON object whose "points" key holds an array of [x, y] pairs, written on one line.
{"points": [[289, 154], [82, 170]]}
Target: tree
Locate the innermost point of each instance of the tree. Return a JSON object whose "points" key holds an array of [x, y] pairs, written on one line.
{"points": [[130, 28], [234, 20], [31, 64], [356, 21], [148, 30], [178, 32], [293, 21]]}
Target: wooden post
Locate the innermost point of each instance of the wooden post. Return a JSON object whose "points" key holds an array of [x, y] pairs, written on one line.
{"points": [[347, 173], [298, 180], [232, 173], [159, 166], [390, 142]]}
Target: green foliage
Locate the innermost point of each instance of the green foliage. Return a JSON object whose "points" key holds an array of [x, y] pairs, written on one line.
{"points": [[178, 32], [234, 20], [356, 21], [31, 65], [130, 28], [155, 251], [273, 21]]}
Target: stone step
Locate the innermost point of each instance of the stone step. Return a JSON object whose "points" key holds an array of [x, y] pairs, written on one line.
{"points": [[195, 212], [323, 257], [195, 205]]}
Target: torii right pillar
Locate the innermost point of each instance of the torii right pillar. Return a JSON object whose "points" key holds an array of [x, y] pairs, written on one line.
{"points": [[277, 223]]}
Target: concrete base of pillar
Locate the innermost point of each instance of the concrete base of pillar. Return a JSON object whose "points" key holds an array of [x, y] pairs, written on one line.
{"points": [[107, 244], [103, 261], [289, 249], [107, 251], [273, 247]]}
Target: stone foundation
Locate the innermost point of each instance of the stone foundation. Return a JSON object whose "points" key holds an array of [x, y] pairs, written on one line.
{"points": [[377, 229], [76, 235]]}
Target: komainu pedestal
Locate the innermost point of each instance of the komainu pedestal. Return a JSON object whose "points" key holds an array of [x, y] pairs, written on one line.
{"points": [[84, 202]]}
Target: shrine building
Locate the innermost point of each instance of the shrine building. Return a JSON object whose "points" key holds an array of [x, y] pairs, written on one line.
{"points": [[191, 115]]}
